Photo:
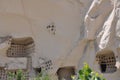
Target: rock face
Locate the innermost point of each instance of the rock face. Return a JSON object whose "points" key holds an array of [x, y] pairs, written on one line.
{"points": [[58, 34]]}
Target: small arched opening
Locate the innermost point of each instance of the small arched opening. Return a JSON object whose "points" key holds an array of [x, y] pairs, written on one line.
{"points": [[106, 59], [21, 47], [65, 73]]}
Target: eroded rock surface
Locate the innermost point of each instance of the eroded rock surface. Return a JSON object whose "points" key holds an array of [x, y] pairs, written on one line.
{"points": [[65, 33]]}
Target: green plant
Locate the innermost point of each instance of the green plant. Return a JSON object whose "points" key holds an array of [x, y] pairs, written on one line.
{"points": [[86, 73], [42, 76], [18, 76], [21, 76], [11, 76]]}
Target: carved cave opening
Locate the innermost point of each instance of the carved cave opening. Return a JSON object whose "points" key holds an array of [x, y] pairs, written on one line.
{"points": [[21, 47], [103, 67], [106, 59], [65, 73]]}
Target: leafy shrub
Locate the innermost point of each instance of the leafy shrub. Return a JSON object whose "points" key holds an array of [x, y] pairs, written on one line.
{"points": [[86, 73], [18, 76], [21, 76], [42, 76]]}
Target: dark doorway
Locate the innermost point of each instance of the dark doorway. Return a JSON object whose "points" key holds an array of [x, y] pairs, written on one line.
{"points": [[107, 60], [103, 67], [65, 73], [38, 70]]}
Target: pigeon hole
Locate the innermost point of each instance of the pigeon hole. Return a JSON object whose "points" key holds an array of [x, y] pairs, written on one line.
{"points": [[21, 47], [106, 60]]}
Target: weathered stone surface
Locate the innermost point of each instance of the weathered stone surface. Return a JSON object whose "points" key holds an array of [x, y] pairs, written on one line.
{"points": [[66, 32]]}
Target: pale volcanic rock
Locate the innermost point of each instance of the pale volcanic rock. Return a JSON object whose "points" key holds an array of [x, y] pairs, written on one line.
{"points": [[66, 32]]}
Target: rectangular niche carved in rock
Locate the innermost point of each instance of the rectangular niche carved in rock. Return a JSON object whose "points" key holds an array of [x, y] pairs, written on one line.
{"points": [[106, 59], [21, 47]]}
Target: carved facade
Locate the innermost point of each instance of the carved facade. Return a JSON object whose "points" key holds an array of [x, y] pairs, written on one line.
{"points": [[20, 48], [55, 35], [107, 60]]}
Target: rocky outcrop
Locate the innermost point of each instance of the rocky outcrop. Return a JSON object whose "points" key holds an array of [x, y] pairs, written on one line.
{"points": [[101, 23], [67, 33]]}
